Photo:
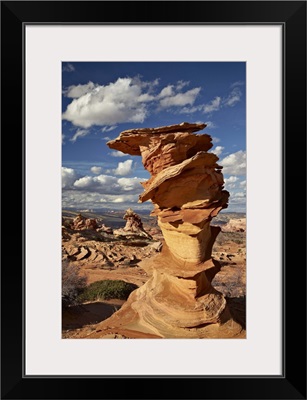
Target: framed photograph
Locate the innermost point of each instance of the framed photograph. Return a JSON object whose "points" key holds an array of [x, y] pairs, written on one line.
{"points": [[109, 95]]}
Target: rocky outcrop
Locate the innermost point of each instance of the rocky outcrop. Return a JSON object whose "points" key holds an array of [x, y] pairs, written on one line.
{"points": [[186, 187], [235, 225], [80, 223], [105, 229], [134, 226]]}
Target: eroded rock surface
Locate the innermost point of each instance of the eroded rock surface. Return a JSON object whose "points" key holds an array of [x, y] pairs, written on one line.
{"points": [[186, 187], [134, 226], [235, 225]]}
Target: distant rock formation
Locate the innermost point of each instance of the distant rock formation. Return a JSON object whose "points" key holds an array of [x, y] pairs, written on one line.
{"points": [[186, 187], [80, 223], [105, 229], [235, 225], [134, 226]]}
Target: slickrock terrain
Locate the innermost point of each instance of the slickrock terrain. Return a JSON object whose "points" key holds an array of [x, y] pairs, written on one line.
{"points": [[186, 188], [103, 255]]}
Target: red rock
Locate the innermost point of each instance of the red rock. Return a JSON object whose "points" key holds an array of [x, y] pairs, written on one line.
{"points": [[186, 187]]}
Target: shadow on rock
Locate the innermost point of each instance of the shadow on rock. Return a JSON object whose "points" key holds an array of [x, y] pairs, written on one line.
{"points": [[237, 306], [86, 314]]}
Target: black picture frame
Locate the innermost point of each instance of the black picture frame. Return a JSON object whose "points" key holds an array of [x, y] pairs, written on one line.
{"points": [[292, 383]]}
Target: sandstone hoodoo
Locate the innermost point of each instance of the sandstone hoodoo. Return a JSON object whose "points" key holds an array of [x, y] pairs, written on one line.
{"points": [[186, 188], [134, 226]]}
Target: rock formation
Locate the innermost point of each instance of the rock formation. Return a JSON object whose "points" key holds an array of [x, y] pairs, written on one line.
{"points": [[80, 223], [186, 187], [235, 225], [133, 227]]}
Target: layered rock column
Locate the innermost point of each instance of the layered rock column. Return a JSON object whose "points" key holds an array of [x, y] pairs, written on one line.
{"points": [[186, 187]]}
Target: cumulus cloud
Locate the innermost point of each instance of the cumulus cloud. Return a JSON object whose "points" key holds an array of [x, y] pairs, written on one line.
{"points": [[215, 139], [217, 150], [237, 202], [123, 168], [68, 67], [238, 195], [69, 176], [118, 153], [243, 184], [78, 134], [96, 170], [125, 100], [76, 91], [110, 104], [231, 182], [214, 105], [92, 200], [106, 184], [180, 99], [101, 183], [166, 92], [235, 163], [88, 192], [128, 184], [231, 179]]}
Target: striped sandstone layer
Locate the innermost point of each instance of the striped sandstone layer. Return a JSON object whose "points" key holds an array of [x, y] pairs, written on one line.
{"points": [[186, 188]]}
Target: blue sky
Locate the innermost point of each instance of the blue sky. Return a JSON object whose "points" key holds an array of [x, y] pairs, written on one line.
{"points": [[101, 99]]}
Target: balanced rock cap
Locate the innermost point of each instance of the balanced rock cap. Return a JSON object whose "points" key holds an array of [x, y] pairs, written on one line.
{"points": [[129, 141]]}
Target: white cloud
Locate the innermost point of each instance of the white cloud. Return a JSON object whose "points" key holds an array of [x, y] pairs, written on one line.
{"points": [[125, 100], [63, 138], [117, 153], [217, 150], [103, 184], [96, 170], [166, 92], [180, 99], [235, 163], [233, 98], [243, 184], [106, 183], [123, 168], [237, 83], [231, 179], [69, 176], [210, 125], [91, 200], [239, 195], [76, 91], [90, 192], [215, 139], [181, 84], [214, 105], [190, 110], [128, 184], [230, 186], [79, 133], [106, 138], [68, 67], [111, 104], [108, 128]]}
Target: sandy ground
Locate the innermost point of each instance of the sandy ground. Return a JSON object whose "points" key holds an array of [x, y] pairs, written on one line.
{"points": [[229, 251]]}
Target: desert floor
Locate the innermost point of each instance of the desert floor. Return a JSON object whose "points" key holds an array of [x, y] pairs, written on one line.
{"points": [[81, 320]]}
